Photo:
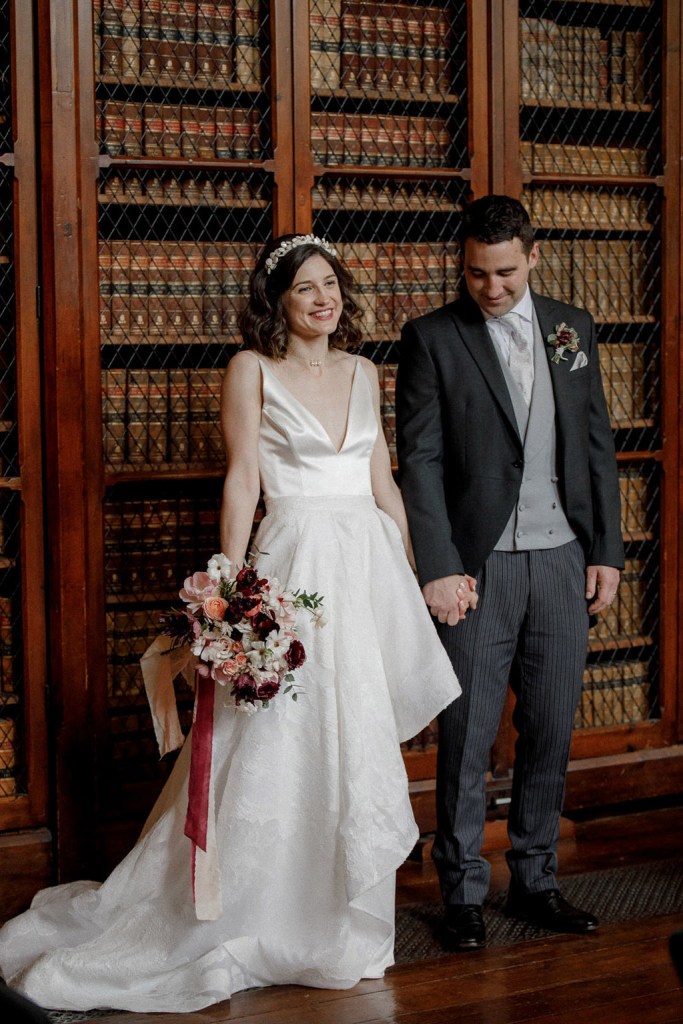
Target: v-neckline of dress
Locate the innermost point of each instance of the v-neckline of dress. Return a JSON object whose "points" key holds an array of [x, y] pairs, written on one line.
{"points": [[337, 451]]}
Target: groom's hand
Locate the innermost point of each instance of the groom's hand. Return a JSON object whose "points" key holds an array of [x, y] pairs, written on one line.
{"points": [[450, 597], [602, 582]]}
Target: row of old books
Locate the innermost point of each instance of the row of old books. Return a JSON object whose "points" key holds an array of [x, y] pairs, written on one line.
{"points": [[610, 278], [387, 405], [588, 209], [380, 140], [183, 189], [162, 291], [189, 130], [8, 757], [188, 43], [168, 291], [636, 511], [625, 617], [152, 544], [169, 417], [557, 158], [566, 64], [399, 281], [625, 372], [380, 48], [614, 694], [397, 196]]}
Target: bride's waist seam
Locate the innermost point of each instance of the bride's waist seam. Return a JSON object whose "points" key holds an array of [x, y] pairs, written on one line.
{"points": [[323, 502]]}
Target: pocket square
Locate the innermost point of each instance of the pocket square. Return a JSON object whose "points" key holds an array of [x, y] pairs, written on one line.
{"points": [[581, 360]]}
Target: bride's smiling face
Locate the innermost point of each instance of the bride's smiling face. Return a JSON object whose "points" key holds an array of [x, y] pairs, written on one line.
{"points": [[312, 304]]}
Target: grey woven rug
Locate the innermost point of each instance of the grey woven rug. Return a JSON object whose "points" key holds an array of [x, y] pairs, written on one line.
{"points": [[617, 895]]}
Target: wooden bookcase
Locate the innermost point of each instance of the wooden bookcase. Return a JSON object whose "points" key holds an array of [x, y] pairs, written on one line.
{"points": [[174, 137], [25, 853], [589, 109]]}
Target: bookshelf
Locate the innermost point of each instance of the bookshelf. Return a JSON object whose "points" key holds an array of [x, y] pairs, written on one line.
{"points": [[23, 732], [187, 194], [589, 115], [174, 137]]}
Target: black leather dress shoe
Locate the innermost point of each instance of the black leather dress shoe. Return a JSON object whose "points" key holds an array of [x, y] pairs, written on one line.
{"points": [[464, 927], [549, 910]]}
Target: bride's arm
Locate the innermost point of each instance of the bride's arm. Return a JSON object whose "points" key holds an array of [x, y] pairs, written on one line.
{"points": [[240, 422], [384, 488]]}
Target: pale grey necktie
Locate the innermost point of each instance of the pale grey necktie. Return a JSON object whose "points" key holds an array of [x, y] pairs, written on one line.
{"points": [[521, 355]]}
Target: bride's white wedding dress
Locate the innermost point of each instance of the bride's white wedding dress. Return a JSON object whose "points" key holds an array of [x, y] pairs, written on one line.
{"points": [[312, 809]]}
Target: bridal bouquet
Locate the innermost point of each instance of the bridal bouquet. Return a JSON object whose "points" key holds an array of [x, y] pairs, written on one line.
{"points": [[242, 628]]}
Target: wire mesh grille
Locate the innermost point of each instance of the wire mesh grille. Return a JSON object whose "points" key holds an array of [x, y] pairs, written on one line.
{"points": [[183, 79], [5, 79], [621, 677], [396, 239], [590, 83], [12, 736], [183, 96], [152, 543], [389, 89], [389, 84], [176, 251]]}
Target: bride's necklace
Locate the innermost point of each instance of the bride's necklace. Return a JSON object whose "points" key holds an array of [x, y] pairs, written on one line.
{"points": [[314, 364]]}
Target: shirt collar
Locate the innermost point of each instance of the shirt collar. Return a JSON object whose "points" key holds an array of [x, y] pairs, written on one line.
{"points": [[524, 308]]}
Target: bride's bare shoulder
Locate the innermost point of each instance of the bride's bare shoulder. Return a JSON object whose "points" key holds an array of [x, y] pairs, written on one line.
{"points": [[369, 369], [243, 368]]}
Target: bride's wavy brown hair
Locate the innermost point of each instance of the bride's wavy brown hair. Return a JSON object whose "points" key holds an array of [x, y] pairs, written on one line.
{"points": [[262, 323]]}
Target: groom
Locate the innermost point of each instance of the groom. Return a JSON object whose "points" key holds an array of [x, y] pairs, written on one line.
{"points": [[508, 475]]}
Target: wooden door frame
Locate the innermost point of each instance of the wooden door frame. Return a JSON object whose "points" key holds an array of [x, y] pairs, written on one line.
{"points": [[73, 449]]}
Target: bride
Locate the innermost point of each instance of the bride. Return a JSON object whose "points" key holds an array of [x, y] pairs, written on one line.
{"points": [[312, 815]]}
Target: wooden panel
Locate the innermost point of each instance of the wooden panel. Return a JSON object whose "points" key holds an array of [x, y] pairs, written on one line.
{"points": [[287, 202], [69, 265], [25, 867], [620, 778]]}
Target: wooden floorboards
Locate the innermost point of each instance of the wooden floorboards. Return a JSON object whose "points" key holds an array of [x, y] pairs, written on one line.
{"points": [[622, 974]]}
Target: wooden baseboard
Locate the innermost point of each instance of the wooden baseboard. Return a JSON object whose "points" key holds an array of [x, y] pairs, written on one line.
{"points": [[25, 867], [598, 782]]}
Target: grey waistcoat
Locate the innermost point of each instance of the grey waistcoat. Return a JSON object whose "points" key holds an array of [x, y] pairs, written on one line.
{"points": [[538, 519]]}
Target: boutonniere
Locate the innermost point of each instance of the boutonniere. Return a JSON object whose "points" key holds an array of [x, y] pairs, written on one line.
{"points": [[565, 339]]}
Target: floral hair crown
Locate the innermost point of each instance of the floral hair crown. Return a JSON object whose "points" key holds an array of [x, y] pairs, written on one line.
{"points": [[294, 243]]}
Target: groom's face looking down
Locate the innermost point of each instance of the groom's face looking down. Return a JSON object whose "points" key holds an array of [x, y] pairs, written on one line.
{"points": [[496, 274]]}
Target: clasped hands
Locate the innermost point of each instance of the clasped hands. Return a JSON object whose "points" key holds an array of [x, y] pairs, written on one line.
{"points": [[451, 597]]}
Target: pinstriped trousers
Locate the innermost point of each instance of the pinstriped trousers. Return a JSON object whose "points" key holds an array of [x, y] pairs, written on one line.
{"points": [[529, 631]]}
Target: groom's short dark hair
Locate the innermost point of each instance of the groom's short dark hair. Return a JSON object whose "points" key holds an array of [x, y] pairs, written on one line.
{"points": [[493, 219]]}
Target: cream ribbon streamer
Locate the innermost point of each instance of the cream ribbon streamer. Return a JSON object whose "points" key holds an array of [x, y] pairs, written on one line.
{"points": [[160, 664]]}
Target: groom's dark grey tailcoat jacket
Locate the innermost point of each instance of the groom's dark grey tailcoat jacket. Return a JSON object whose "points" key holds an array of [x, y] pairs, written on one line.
{"points": [[461, 457]]}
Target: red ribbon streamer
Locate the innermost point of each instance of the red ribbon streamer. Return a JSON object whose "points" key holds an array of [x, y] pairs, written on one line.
{"points": [[196, 821]]}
